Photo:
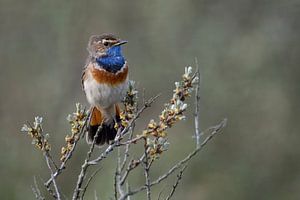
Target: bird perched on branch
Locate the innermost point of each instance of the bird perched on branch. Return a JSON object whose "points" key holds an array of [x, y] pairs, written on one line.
{"points": [[104, 81]]}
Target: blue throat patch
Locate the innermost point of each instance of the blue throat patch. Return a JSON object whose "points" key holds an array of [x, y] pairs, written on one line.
{"points": [[113, 61]]}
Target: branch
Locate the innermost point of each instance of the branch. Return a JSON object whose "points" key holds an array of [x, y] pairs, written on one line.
{"points": [[36, 191], [88, 182], [123, 132], [95, 195], [147, 166], [213, 131], [132, 165], [197, 110], [126, 154], [179, 176], [84, 167], [57, 193], [118, 187], [69, 155]]}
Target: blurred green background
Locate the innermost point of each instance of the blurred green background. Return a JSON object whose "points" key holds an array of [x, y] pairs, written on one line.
{"points": [[248, 52]]}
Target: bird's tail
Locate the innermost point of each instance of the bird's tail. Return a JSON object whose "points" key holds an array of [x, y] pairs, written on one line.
{"points": [[104, 120]]}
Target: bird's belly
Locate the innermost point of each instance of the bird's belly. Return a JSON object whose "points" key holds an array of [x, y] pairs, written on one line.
{"points": [[104, 95]]}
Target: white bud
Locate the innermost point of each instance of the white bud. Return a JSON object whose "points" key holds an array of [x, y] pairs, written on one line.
{"points": [[25, 128], [184, 106], [38, 120]]}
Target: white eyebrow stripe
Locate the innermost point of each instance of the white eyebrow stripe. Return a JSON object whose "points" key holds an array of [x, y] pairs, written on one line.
{"points": [[109, 41]]}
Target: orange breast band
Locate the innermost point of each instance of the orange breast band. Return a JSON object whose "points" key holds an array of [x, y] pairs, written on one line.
{"points": [[102, 76]]}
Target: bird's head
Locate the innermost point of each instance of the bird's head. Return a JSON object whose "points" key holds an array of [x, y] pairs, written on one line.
{"points": [[105, 45]]}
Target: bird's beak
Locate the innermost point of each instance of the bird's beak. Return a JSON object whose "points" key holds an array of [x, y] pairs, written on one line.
{"points": [[120, 43]]}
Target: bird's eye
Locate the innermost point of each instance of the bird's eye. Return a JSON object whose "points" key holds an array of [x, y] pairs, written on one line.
{"points": [[105, 43]]}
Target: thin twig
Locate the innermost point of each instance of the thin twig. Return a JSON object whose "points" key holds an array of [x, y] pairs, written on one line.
{"points": [[120, 167], [118, 189], [126, 154], [115, 186], [47, 152], [69, 155], [128, 189], [147, 166], [197, 110], [160, 193], [36, 191], [84, 167], [122, 133], [131, 141], [53, 179], [214, 131], [179, 176], [95, 195], [89, 181], [131, 165]]}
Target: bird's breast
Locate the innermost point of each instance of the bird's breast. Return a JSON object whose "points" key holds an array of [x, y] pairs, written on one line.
{"points": [[103, 88], [103, 76]]}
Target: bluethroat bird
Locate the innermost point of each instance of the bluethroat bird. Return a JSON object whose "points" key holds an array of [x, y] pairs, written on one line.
{"points": [[104, 81]]}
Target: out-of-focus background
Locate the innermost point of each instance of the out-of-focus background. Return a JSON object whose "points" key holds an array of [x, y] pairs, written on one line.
{"points": [[248, 52]]}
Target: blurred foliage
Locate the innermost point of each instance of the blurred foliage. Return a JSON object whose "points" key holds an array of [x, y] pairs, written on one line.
{"points": [[248, 52]]}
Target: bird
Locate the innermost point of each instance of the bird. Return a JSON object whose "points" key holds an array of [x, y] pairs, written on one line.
{"points": [[105, 83]]}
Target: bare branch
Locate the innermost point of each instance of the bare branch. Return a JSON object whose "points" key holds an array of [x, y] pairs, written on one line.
{"points": [[118, 187], [147, 164], [197, 110], [52, 176], [127, 189], [126, 154], [131, 165], [160, 193], [154, 137], [95, 194], [84, 167], [122, 133], [179, 176], [36, 191], [88, 182], [68, 156], [213, 131]]}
